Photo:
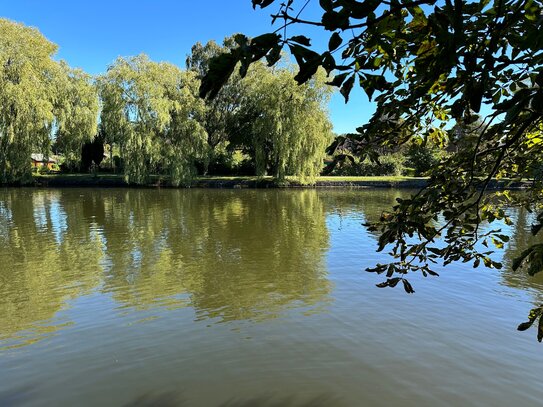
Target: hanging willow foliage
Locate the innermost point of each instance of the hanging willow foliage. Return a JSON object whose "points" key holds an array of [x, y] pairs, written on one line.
{"points": [[37, 94], [292, 131], [77, 117], [149, 109]]}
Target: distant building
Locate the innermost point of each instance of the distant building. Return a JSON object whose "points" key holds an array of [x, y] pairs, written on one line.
{"points": [[39, 161]]}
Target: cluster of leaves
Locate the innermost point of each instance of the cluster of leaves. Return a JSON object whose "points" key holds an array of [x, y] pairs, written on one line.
{"points": [[152, 111], [388, 165], [429, 65]]}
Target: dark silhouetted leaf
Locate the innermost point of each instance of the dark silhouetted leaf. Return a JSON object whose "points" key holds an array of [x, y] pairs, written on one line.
{"points": [[301, 39], [408, 287], [262, 3], [335, 41], [347, 87]]}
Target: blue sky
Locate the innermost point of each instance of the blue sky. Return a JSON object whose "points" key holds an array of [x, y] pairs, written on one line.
{"points": [[92, 34]]}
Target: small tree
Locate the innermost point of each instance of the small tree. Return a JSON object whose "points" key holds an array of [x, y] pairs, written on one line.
{"points": [[292, 131]]}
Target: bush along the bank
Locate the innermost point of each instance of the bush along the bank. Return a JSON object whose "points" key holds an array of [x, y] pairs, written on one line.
{"points": [[388, 165], [420, 158]]}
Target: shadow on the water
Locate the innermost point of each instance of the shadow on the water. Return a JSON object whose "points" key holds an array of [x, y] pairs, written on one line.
{"points": [[172, 399], [319, 401], [16, 397]]}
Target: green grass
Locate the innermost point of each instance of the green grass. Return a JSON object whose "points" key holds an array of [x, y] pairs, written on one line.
{"points": [[385, 178], [232, 178], [77, 176], [89, 178]]}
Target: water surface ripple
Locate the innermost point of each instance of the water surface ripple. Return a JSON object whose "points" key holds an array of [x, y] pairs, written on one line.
{"points": [[236, 298]]}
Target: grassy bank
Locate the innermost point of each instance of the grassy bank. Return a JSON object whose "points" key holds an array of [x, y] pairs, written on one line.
{"points": [[114, 180]]}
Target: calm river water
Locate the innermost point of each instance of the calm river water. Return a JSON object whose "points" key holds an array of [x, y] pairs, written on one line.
{"points": [[235, 298]]}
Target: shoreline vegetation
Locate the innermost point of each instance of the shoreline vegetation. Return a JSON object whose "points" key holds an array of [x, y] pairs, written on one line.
{"points": [[233, 182], [147, 122]]}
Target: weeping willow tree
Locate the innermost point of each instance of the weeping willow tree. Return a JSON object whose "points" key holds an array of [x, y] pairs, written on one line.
{"points": [[184, 138], [292, 130], [38, 96], [149, 110]]}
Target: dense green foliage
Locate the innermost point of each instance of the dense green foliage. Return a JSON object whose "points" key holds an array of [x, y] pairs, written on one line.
{"points": [[77, 121], [282, 126], [224, 117], [431, 66], [152, 121], [38, 98], [150, 108], [388, 165], [291, 133]]}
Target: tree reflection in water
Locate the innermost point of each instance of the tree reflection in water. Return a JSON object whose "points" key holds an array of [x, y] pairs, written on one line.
{"points": [[230, 255]]}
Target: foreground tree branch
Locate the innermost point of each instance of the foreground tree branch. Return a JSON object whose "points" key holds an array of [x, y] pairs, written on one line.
{"points": [[430, 67]]}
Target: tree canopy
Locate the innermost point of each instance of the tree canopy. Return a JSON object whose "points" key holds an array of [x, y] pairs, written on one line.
{"points": [[283, 126], [151, 120], [222, 116], [292, 130], [430, 66], [150, 108], [38, 98]]}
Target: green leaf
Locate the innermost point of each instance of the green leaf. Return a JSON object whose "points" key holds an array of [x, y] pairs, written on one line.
{"points": [[301, 39], [347, 87], [407, 287], [335, 41]]}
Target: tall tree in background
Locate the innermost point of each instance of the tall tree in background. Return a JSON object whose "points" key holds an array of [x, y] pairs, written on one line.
{"points": [[149, 109], [429, 65], [284, 127], [38, 97], [222, 116]]}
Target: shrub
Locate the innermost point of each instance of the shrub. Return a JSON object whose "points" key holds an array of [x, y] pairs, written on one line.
{"points": [[389, 165], [422, 158]]}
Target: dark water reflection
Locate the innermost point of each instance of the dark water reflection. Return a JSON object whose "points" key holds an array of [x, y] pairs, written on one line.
{"points": [[244, 297]]}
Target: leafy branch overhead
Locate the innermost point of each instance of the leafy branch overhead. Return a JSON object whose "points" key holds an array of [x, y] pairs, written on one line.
{"points": [[468, 70]]}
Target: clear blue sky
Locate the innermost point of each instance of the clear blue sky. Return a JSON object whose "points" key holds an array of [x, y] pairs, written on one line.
{"points": [[92, 34]]}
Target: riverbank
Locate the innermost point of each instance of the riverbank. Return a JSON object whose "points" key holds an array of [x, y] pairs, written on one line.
{"points": [[233, 182], [114, 180]]}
